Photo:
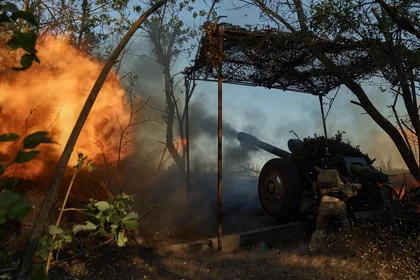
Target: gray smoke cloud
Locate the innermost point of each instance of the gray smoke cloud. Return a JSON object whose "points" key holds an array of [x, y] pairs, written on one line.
{"points": [[203, 127], [240, 195], [168, 190]]}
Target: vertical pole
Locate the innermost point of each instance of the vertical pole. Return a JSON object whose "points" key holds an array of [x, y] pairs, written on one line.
{"points": [[219, 139], [187, 136], [323, 115]]}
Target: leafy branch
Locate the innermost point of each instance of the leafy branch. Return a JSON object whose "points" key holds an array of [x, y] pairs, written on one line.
{"points": [[109, 218], [14, 207], [54, 230], [22, 37]]}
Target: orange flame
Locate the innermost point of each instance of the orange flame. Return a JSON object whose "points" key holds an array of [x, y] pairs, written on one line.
{"points": [[49, 97], [181, 143]]}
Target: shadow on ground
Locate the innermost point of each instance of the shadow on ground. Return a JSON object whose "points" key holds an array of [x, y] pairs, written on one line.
{"points": [[137, 262]]}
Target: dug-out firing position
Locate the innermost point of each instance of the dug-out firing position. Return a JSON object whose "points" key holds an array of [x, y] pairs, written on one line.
{"points": [[285, 184]]}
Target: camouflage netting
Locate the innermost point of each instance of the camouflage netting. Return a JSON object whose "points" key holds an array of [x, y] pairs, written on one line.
{"points": [[314, 148], [274, 59]]}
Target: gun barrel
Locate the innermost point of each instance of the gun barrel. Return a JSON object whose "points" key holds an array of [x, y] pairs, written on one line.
{"points": [[250, 141]]}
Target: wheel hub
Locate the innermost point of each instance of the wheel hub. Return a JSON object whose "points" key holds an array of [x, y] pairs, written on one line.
{"points": [[274, 187]]}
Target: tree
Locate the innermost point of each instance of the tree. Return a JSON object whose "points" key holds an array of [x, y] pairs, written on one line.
{"points": [[386, 33], [50, 198], [169, 36], [87, 23]]}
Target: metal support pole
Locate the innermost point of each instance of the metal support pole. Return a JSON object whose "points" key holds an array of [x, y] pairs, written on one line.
{"points": [[219, 142], [323, 115], [187, 139]]}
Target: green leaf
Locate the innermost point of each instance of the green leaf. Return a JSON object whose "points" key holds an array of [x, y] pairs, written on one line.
{"points": [[26, 61], [102, 205], [28, 16], [91, 167], [33, 140], [114, 218], [7, 184], [14, 206], [87, 227], [8, 137], [40, 273], [54, 230], [67, 238], [125, 196], [2, 216], [23, 157], [121, 239], [202, 13], [130, 224], [24, 40], [131, 215]]}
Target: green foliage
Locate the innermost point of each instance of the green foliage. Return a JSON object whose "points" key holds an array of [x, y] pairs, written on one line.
{"points": [[35, 139], [109, 218], [168, 32], [112, 217], [10, 15], [8, 137], [23, 156], [24, 40], [335, 16], [39, 273], [6, 260], [314, 148], [86, 227], [13, 206], [47, 243], [81, 161]]}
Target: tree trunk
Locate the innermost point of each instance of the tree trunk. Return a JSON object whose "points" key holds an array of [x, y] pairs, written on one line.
{"points": [[179, 161], [82, 24], [367, 105], [50, 198]]}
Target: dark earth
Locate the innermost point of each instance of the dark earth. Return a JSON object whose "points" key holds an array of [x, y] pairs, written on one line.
{"points": [[378, 249]]}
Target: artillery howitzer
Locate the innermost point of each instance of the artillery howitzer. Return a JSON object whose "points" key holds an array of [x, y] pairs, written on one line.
{"points": [[285, 183]]}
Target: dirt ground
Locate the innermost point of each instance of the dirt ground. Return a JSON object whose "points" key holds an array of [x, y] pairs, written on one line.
{"points": [[381, 251], [368, 253], [360, 256]]}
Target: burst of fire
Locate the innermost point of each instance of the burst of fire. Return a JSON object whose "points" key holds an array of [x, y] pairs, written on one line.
{"points": [[180, 144], [49, 97]]}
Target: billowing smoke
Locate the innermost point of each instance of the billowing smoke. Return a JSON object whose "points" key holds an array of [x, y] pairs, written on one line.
{"points": [[203, 140], [240, 199], [168, 189]]}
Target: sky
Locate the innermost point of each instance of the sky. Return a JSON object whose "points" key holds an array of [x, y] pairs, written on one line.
{"points": [[271, 114]]}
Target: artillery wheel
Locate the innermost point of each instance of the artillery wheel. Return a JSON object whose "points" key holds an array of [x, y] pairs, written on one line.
{"points": [[279, 189]]}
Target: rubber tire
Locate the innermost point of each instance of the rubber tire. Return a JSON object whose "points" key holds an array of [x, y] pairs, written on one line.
{"points": [[290, 200]]}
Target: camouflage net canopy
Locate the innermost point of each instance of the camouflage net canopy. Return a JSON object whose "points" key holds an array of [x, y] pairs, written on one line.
{"points": [[274, 59], [313, 148]]}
